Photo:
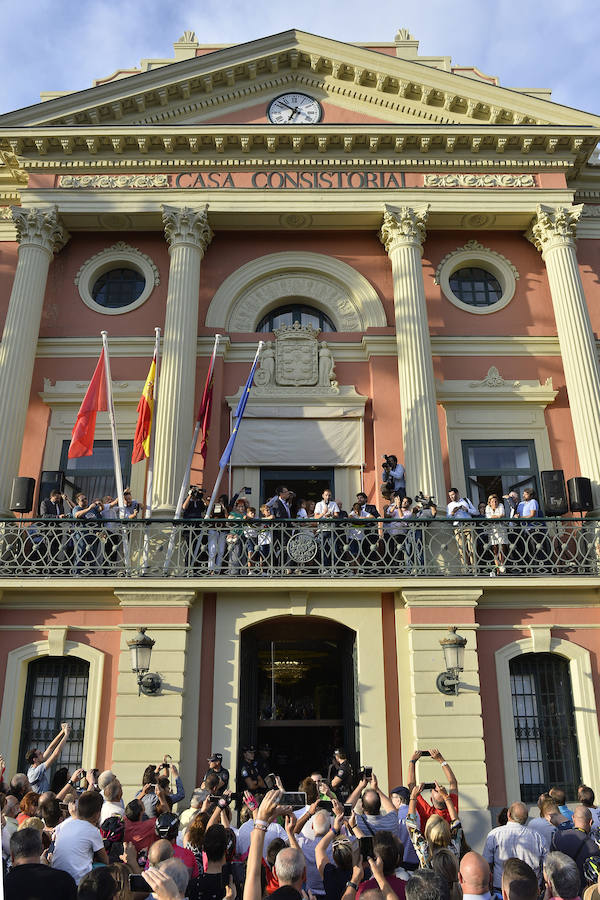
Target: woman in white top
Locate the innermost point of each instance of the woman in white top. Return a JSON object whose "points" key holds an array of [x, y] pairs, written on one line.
{"points": [[497, 533]]}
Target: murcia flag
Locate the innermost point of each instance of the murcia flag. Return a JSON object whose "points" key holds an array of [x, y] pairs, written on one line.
{"points": [[145, 410], [82, 441]]}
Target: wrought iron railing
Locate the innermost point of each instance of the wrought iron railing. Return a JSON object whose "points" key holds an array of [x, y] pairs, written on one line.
{"points": [[268, 548]]}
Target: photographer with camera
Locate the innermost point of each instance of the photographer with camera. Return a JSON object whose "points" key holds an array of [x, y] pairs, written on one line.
{"points": [[394, 476], [193, 510]]}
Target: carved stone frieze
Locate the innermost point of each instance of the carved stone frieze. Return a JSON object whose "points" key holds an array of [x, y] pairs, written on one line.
{"points": [[296, 359], [40, 227], [187, 225], [489, 180], [104, 182], [554, 226], [403, 225], [310, 286], [590, 212]]}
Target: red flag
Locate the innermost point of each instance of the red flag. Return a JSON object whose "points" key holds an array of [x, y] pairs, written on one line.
{"points": [[82, 441], [204, 413], [145, 410]]}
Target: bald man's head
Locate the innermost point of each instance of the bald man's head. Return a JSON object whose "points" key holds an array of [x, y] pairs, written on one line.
{"points": [[159, 851], [582, 818], [518, 812], [474, 874]]}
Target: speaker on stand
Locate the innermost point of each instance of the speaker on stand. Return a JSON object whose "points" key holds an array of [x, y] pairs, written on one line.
{"points": [[580, 494], [21, 495]]}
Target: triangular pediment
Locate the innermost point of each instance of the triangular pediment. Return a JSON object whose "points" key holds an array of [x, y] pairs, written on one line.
{"points": [[234, 85]]}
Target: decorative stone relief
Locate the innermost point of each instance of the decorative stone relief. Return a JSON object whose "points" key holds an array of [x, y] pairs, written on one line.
{"points": [[40, 227], [475, 246], [588, 212], [480, 181], [403, 225], [554, 226], [104, 182], [187, 225], [314, 287], [296, 359]]}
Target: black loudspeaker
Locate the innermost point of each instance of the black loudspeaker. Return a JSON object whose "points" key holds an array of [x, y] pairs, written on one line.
{"points": [[580, 494], [21, 496], [554, 492]]}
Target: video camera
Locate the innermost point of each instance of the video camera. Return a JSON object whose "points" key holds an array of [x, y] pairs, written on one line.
{"points": [[196, 493], [425, 504], [389, 462]]}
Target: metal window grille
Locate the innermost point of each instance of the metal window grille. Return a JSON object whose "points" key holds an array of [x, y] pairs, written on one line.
{"points": [[118, 288], [544, 723], [295, 312], [476, 286], [56, 692]]}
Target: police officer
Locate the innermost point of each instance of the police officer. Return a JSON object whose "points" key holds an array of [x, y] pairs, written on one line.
{"points": [[249, 777], [215, 768], [340, 775]]}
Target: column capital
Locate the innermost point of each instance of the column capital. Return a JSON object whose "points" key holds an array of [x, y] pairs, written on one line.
{"points": [[187, 225], [403, 225], [554, 226], [40, 227]]}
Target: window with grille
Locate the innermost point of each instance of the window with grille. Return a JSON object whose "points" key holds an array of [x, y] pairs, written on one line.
{"points": [[544, 722], [56, 692], [295, 312], [476, 286], [118, 288]]}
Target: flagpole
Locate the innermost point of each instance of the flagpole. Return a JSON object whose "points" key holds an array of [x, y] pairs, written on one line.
{"points": [[222, 464], [150, 470], [186, 475], [115, 445]]}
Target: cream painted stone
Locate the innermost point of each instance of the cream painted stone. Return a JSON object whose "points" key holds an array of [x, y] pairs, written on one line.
{"points": [[426, 703], [127, 684], [235, 612], [553, 231], [40, 235], [402, 234], [430, 728], [188, 234]]}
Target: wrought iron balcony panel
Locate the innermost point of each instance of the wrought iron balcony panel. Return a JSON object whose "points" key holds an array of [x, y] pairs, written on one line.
{"points": [[348, 548]]}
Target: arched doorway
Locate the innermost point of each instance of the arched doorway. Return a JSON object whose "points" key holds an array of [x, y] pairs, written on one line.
{"points": [[298, 693]]}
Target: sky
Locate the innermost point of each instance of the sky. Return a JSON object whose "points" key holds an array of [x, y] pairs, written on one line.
{"points": [[61, 45]]}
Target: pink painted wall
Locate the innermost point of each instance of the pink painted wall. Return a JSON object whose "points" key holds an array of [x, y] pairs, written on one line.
{"points": [[105, 641], [488, 642], [257, 114], [588, 254]]}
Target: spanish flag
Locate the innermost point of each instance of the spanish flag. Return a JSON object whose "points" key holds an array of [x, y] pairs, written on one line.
{"points": [[96, 399], [145, 410]]}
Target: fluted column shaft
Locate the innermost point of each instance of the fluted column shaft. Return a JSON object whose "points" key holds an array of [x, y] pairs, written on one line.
{"points": [[188, 235], [402, 234], [553, 232], [40, 235]]}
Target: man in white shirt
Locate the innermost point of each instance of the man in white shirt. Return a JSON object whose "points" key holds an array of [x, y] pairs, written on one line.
{"points": [[460, 509], [474, 877], [326, 509], [113, 800], [514, 839], [78, 842], [321, 824]]}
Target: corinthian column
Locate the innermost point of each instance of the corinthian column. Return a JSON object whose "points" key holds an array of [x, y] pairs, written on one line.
{"points": [[553, 232], [188, 235], [40, 235], [402, 235]]}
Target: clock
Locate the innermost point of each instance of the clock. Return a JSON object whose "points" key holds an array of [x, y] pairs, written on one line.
{"points": [[294, 109]]}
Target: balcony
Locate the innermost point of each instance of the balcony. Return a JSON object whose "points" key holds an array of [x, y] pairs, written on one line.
{"points": [[373, 548]]}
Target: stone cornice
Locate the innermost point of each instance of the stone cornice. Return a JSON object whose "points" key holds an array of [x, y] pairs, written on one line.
{"points": [[410, 146], [375, 79]]}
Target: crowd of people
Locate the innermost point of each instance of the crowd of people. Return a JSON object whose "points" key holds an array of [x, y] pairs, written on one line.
{"points": [[406, 536], [339, 837]]}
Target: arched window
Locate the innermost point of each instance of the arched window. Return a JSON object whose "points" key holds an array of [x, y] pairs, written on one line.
{"points": [[544, 723], [56, 692], [295, 312]]}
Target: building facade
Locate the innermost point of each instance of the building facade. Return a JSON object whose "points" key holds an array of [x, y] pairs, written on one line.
{"points": [[436, 238]]}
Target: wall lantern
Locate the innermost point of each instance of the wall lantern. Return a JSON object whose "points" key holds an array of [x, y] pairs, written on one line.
{"points": [[140, 647], [453, 646]]}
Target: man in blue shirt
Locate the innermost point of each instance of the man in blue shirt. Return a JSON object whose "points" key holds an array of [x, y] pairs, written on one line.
{"points": [[41, 760]]}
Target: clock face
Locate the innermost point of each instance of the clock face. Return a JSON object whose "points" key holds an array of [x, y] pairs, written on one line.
{"points": [[294, 109]]}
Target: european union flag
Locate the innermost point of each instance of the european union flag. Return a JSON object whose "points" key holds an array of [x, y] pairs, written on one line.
{"points": [[240, 411]]}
